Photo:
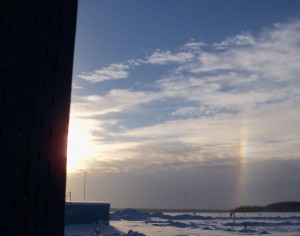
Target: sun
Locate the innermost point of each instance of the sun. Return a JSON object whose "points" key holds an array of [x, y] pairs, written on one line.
{"points": [[80, 144]]}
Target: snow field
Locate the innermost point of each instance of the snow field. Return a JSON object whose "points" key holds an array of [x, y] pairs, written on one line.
{"points": [[136, 223]]}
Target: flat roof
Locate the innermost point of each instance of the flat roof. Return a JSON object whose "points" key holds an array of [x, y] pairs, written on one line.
{"points": [[89, 203]]}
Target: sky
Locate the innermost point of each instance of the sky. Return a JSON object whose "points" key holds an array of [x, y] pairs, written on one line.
{"points": [[186, 103]]}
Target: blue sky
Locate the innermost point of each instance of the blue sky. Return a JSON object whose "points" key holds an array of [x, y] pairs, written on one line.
{"points": [[196, 97]]}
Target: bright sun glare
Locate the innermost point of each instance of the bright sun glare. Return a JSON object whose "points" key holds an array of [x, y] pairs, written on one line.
{"points": [[80, 144]]}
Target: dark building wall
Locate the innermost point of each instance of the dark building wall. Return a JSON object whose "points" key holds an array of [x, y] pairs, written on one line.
{"points": [[36, 57], [87, 213]]}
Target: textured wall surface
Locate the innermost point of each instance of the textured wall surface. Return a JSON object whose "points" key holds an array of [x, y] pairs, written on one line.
{"points": [[36, 57], [87, 212]]}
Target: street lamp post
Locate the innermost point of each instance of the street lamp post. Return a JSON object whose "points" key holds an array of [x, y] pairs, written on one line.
{"points": [[70, 196]]}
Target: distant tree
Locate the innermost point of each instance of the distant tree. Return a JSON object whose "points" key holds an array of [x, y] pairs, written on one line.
{"points": [[249, 209], [284, 206], [291, 206]]}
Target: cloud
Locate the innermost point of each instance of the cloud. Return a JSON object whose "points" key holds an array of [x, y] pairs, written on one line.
{"points": [[263, 133], [242, 77], [244, 39], [273, 55], [193, 45], [244, 90], [76, 86], [114, 101], [187, 111], [158, 156], [114, 71], [166, 57]]}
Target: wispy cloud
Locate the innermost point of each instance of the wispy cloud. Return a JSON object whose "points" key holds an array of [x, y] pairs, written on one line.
{"points": [[193, 45], [114, 71], [76, 86], [114, 101], [244, 39], [166, 57]]}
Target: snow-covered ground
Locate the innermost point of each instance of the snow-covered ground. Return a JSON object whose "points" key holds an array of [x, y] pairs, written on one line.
{"points": [[135, 223]]}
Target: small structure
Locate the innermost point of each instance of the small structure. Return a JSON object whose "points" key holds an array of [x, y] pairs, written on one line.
{"points": [[86, 212]]}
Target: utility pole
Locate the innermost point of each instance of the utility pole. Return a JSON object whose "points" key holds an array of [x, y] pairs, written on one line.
{"points": [[85, 175], [185, 200]]}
